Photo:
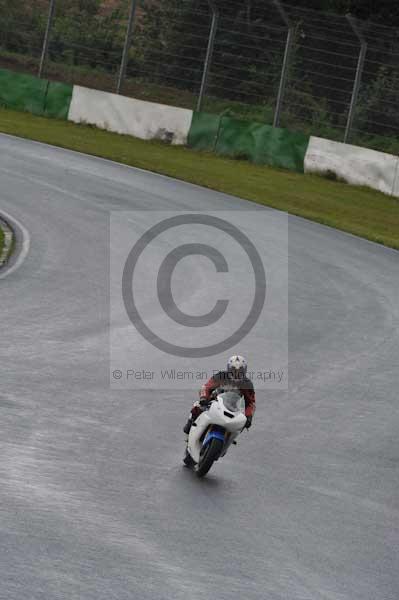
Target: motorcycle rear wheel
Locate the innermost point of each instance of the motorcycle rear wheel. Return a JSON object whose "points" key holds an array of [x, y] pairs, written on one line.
{"points": [[212, 453]]}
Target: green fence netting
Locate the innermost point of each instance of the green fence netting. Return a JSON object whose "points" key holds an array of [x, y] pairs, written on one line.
{"points": [[58, 100], [204, 131], [31, 94], [257, 142], [22, 92], [262, 144]]}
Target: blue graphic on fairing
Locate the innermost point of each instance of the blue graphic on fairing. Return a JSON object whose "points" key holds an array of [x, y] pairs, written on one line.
{"points": [[219, 435]]}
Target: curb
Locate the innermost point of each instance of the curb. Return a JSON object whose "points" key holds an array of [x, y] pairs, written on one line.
{"points": [[8, 241]]}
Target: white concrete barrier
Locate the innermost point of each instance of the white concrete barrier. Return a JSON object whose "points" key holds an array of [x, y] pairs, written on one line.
{"points": [[395, 191], [145, 120], [356, 165]]}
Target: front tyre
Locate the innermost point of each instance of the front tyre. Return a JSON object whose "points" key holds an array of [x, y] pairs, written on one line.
{"points": [[211, 453]]}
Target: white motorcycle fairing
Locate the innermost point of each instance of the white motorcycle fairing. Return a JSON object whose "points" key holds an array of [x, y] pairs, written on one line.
{"points": [[224, 418]]}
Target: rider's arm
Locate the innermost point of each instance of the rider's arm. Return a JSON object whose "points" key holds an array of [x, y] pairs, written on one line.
{"points": [[250, 402], [207, 389]]}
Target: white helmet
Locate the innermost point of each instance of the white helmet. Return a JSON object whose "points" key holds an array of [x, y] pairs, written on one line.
{"points": [[237, 366]]}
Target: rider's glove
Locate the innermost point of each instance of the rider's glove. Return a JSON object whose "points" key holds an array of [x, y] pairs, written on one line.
{"points": [[248, 423], [204, 401]]}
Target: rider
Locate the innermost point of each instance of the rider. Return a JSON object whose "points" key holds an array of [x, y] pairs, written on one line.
{"points": [[233, 378]]}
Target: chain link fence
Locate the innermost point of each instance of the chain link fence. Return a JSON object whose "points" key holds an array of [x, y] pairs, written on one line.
{"points": [[324, 74]]}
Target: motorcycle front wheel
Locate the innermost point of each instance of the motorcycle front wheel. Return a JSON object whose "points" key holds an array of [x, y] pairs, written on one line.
{"points": [[211, 453]]}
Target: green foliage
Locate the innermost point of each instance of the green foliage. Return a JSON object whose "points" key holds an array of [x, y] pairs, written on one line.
{"points": [[84, 35], [167, 56], [168, 44], [384, 11], [82, 32], [379, 102], [248, 63], [22, 26]]}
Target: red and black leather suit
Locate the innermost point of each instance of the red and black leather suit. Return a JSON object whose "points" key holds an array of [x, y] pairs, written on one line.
{"points": [[225, 380]]}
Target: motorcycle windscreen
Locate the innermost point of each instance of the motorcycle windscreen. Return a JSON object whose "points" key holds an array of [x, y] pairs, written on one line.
{"points": [[233, 401]]}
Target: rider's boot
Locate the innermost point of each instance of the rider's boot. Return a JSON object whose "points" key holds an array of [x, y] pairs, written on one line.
{"points": [[195, 412], [187, 426]]}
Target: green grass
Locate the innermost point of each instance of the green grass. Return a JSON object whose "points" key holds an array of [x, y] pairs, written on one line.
{"points": [[2, 245], [360, 211]]}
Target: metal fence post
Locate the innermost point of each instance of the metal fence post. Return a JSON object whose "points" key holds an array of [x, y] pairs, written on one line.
{"points": [[286, 62], [126, 46], [358, 77], [46, 37], [209, 53], [283, 78]]}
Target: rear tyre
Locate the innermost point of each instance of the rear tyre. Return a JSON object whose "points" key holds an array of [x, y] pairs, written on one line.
{"points": [[211, 453]]}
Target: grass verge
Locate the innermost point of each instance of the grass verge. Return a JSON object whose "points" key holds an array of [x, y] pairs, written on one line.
{"points": [[360, 211], [7, 242]]}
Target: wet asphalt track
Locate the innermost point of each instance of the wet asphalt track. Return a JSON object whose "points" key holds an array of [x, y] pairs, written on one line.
{"points": [[94, 504]]}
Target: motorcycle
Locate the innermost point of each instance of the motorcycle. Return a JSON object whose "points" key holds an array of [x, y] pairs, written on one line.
{"points": [[213, 432]]}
